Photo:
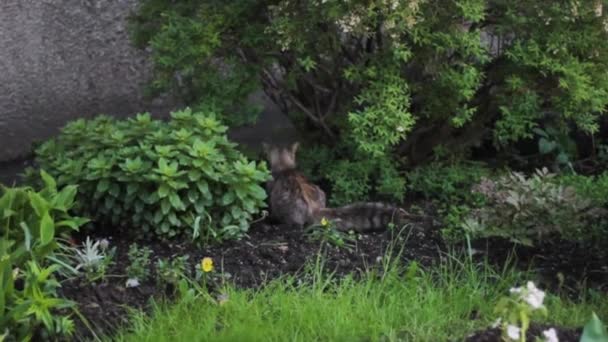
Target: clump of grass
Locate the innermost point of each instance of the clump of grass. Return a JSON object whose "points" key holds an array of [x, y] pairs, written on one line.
{"points": [[446, 302]]}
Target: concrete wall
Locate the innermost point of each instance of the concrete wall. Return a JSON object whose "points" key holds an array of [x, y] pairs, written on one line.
{"points": [[62, 59]]}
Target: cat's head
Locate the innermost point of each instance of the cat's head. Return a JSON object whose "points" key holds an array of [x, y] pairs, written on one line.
{"points": [[281, 158]]}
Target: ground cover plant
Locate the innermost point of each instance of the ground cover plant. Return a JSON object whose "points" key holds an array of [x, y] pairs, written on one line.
{"points": [[178, 178]]}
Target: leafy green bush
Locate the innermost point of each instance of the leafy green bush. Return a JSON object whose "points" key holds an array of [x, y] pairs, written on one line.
{"points": [[355, 179], [176, 178], [30, 221], [411, 74], [448, 184], [593, 188], [526, 209]]}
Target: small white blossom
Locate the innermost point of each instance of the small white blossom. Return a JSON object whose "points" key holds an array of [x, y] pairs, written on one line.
{"points": [[400, 129], [132, 282], [513, 332], [534, 296], [104, 243], [531, 295], [550, 335]]}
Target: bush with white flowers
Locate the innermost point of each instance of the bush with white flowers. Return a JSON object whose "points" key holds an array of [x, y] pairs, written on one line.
{"points": [[516, 310]]}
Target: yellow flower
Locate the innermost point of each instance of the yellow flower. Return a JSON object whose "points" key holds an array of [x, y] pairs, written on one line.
{"points": [[324, 222], [207, 264]]}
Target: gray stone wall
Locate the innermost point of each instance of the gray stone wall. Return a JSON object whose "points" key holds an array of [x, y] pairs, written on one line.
{"points": [[63, 59]]}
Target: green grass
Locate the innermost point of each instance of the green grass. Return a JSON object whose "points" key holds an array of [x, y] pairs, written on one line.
{"points": [[415, 305]]}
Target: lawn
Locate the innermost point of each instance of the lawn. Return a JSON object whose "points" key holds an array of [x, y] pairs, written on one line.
{"points": [[447, 302]]}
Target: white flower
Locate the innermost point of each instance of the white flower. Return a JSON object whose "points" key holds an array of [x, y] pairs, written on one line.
{"points": [[104, 244], [513, 332], [132, 282], [531, 295], [534, 296], [550, 335], [400, 129]]}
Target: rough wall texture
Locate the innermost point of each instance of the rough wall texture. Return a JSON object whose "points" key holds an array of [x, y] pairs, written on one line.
{"points": [[62, 59]]}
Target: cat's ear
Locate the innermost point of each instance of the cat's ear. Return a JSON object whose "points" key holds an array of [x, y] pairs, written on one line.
{"points": [[294, 147]]}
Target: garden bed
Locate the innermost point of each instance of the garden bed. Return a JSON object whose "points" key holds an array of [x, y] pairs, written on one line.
{"points": [[270, 251]]}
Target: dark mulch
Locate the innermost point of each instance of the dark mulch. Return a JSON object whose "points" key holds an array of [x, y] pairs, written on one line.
{"points": [[535, 330], [268, 252], [563, 267]]}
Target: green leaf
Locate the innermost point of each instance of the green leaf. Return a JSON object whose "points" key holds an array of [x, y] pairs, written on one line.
{"points": [[176, 202], [65, 198], [73, 223], [164, 190], [40, 205], [594, 330], [47, 229], [196, 229], [49, 183], [228, 198], [165, 206], [103, 185], [27, 235]]}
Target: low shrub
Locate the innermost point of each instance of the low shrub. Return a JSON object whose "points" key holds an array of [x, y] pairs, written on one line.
{"points": [[30, 222], [446, 183], [358, 177], [449, 186], [526, 209], [177, 178], [593, 188]]}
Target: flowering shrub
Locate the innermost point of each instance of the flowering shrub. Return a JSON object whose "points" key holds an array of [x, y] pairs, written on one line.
{"points": [[524, 209], [515, 312], [180, 178]]}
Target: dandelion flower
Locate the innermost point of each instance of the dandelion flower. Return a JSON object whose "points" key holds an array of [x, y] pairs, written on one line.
{"points": [[207, 264], [513, 332]]}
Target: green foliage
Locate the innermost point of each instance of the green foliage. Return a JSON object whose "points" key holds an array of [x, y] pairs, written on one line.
{"points": [[93, 258], [526, 209], [381, 74], [172, 271], [594, 331], [177, 178], [439, 303], [448, 184], [519, 308], [355, 179], [593, 188], [326, 232], [139, 262], [30, 222]]}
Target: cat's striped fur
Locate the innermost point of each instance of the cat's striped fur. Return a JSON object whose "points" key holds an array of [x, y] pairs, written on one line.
{"points": [[295, 200]]}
